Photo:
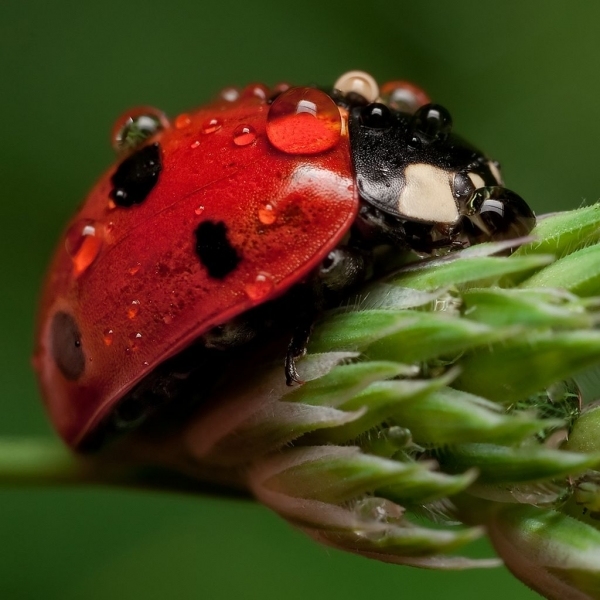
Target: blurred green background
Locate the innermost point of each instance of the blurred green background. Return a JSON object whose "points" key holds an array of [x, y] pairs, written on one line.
{"points": [[521, 80]]}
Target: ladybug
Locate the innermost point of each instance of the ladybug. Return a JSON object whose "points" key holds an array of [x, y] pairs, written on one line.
{"points": [[238, 223]]}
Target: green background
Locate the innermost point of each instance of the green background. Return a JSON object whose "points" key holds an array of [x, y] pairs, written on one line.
{"points": [[521, 80]]}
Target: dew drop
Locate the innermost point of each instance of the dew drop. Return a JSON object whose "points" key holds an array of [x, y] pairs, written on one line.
{"points": [[261, 287], [111, 204], [266, 214], [134, 269], [83, 243], [182, 121], [211, 125], [107, 336], [199, 210], [229, 94], [167, 319], [137, 125], [109, 227], [244, 135], [255, 90], [133, 309], [404, 96], [145, 364], [194, 145], [304, 121], [135, 340]]}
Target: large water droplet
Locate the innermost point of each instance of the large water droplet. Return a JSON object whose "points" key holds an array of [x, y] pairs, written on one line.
{"points": [[211, 125], [135, 126], [261, 287], [266, 214], [304, 121], [244, 135], [133, 309], [83, 243]]}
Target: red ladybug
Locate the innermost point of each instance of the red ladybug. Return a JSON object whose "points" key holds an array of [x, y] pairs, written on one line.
{"points": [[248, 215]]}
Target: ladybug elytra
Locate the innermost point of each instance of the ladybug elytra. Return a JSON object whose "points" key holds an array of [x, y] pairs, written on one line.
{"points": [[248, 215]]}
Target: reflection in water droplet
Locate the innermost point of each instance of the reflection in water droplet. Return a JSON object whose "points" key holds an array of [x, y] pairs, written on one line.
{"points": [[135, 126], [261, 287], [182, 121], [266, 214], [211, 125], [199, 210], [133, 309], [107, 336], [134, 340], [83, 243], [230, 94], [304, 121], [244, 135]]}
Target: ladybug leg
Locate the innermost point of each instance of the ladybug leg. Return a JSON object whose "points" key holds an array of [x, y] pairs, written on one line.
{"points": [[343, 268]]}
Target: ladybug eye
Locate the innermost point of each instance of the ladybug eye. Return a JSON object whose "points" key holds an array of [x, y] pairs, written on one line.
{"points": [[431, 123], [462, 186], [376, 116], [358, 82], [134, 127], [136, 176], [499, 214], [65, 346]]}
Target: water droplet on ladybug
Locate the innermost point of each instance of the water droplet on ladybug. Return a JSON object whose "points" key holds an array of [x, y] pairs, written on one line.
{"points": [[83, 243], [107, 336], [266, 214], [199, 210], [109, 227], [137, 125], [304, 121], [229, 94], [133, 309], [167, 319], [194, 145], [431, 123], [261, 287], [255, 90], [134, 341], [278, 89], [182, 121], [211, 125], [244, 135], [145, 364], [134, 269], [404, 96], [358, 82]]}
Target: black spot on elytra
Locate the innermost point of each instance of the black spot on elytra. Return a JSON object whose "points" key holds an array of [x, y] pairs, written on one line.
{"points": [[136, 176], [214, 249], [65, 346]]}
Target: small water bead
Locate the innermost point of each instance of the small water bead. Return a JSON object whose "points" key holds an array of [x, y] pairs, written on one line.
{"points": [[133, 309], [199, 210], [244, 135], [255, 90], [135, 340], [404, 96], [266, 215], [137, 125], [261, 287], [358, 82], [304, 121], [194, 145], [182, 121], [82, 243], [134, 269], [229, 94], [107, 336], [211, 125]]}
